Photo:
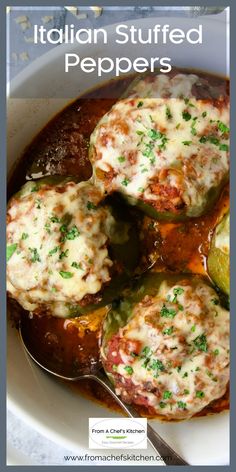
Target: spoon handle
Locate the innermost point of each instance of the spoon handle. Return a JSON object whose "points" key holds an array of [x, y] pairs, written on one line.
{"points": [[168, 455]]}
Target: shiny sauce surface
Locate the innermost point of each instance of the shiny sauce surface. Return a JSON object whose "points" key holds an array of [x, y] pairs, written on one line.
{"points": [[61, 148]]}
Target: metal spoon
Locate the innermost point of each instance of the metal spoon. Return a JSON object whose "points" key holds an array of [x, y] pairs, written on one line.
{"points": [[94, 372]]}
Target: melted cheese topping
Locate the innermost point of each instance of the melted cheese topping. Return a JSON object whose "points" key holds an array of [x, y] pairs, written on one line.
{"points": [[222, 233], [163, 86], [179, 143], [57, 242], [183, 358]]}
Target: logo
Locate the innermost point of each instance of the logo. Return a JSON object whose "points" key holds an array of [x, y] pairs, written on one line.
{"points": [[118, 433]]}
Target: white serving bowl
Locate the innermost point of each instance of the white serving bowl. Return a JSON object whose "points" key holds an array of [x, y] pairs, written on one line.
{"points": [[48, 406]]}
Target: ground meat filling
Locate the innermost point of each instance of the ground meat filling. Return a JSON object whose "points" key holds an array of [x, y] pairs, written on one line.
{"points": [[167, 149], [173, 354]]}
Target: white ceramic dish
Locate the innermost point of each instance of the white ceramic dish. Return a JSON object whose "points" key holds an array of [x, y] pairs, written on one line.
{"points": [[49, 407]]}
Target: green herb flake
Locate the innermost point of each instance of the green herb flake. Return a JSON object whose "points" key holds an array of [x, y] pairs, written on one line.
{"points": [[64, 254], [129, 369], [162, 404], [121, 159], [66, 275], [186, 115], [215, 301], [168, 113], [193, 329], [24, 236], [222, 127], [185, 375], [35, 255], [200, 343], [186, 143], [182, 405], [125, 182], [140, 104], [224, 147], [168, 331], [157, 365], [216, 352], [146, 351], [10, 251], [55, 219], [38, 202], [200, 394], [167, 312], [53, 251], [177, 126], [186, 391], [139, 133], [91, 206], [77, 265], [203, 139], [204, 114], [167, 394]]}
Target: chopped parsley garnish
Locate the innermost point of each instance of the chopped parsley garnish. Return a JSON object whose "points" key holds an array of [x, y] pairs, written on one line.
{"points": [[216, 352], [182, 405], [185, 375], [129, 369], [224, 147], [186, 391], [34, 189], [70, 234], [204, 114], [215, 301], [193, 329], [91, 206], [157, 365], [186, 115], [177, 126], [140, 104], [167, 312], [77, 265], [168, 331], [200, 394], [168, 113], [214, 140], [139, 133], [200, 343], [167, 394], [35, 255], [65, 275], [125, 182], [24, 236], [55, 219], [121, 159], [54, 289], [146, 351], [53, 251], [10, 250], [47, 227], [162, 404], [187, 143], [177, 291], [64, 254], [38, 203], [187, 102], [193, 129], [222, 127], [203, 139]]}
